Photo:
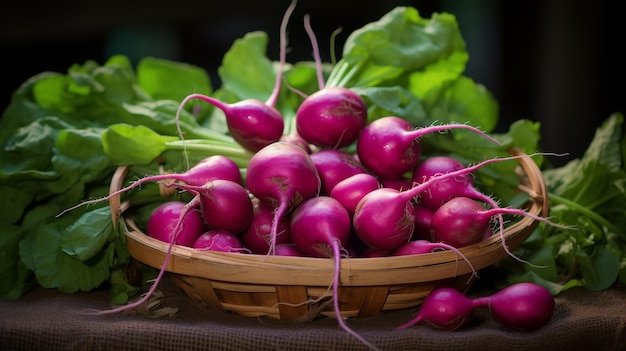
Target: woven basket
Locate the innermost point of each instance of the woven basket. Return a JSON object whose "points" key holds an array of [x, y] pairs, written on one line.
{"points": [[279, 286]]}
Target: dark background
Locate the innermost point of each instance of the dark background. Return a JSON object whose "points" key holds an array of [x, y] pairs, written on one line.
{"points": [[557, 62]]}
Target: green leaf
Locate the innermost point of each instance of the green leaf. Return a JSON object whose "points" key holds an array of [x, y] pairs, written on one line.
{"points": [[169, 80], [600, 269], [245, 69], [464, 101], [126, 144], [399, 43], [53, 268], [86, 237], [15, 277], [391, 101]]}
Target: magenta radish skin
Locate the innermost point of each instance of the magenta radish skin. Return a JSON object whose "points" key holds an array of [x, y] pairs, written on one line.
{"points": [[288, 249], [521, 306], [252, 123], [163, 221], [297, 140], [459, 222], [444, 308], [385, 218], [282, 176], [352, 189], [225, 205], [334, 166], [398, 184], [316, 223], [257, 236], [331, 117], [219, 240], [389, 147], [423, 218]]}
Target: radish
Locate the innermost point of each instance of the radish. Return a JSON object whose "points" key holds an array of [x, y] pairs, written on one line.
{"points": [[282, 176], [463, 221], [225, 205], [288, 249], [352, 189], [398, 184], [521, 306], [385, 218], [440, 192], [332, 117], [334, 166], [163, 221], [321, 227], [252, 123], [296, 139], [257, 236], [389, 146], [423, 218], [318, 225], [444, 308], [208, 169], [219, 240]]}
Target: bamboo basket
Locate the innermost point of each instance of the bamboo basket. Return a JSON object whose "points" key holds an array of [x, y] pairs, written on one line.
{"points": [[279, 286]]}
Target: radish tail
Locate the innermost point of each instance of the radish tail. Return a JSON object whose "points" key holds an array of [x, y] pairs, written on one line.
{"points": [[316, 51], [336, 248], [271, 101]]}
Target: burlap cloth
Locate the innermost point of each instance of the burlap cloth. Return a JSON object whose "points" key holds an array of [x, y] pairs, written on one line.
{"points": [[46, 319]]}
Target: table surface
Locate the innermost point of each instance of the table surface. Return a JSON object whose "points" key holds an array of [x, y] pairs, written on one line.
{"points": [[46, 319]]}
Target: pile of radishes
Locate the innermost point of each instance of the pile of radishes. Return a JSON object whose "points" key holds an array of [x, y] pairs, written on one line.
{"points": [[306, 194]]}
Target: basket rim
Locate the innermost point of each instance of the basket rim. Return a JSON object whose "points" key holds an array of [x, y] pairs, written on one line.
{"points": [[357, 271]]}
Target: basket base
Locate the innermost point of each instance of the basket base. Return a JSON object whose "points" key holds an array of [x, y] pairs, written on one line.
{"points": [[289, 302]]}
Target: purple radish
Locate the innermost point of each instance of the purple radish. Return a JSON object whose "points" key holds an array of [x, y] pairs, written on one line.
{"points": [[441, 192], [332, 117], [296, 139], [334, 166], [398, 184], [282, 176], [371, 253], [444, 308], [317, 224], [385, 218], [389, 147], [521, 306], [423, 218], [163, 221], [257, 236], [463, 221], [288, 249], [321, 227], [225, 205], [253, 124], [352, 189], [219, 240], [417, 247], [211, 168]]}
